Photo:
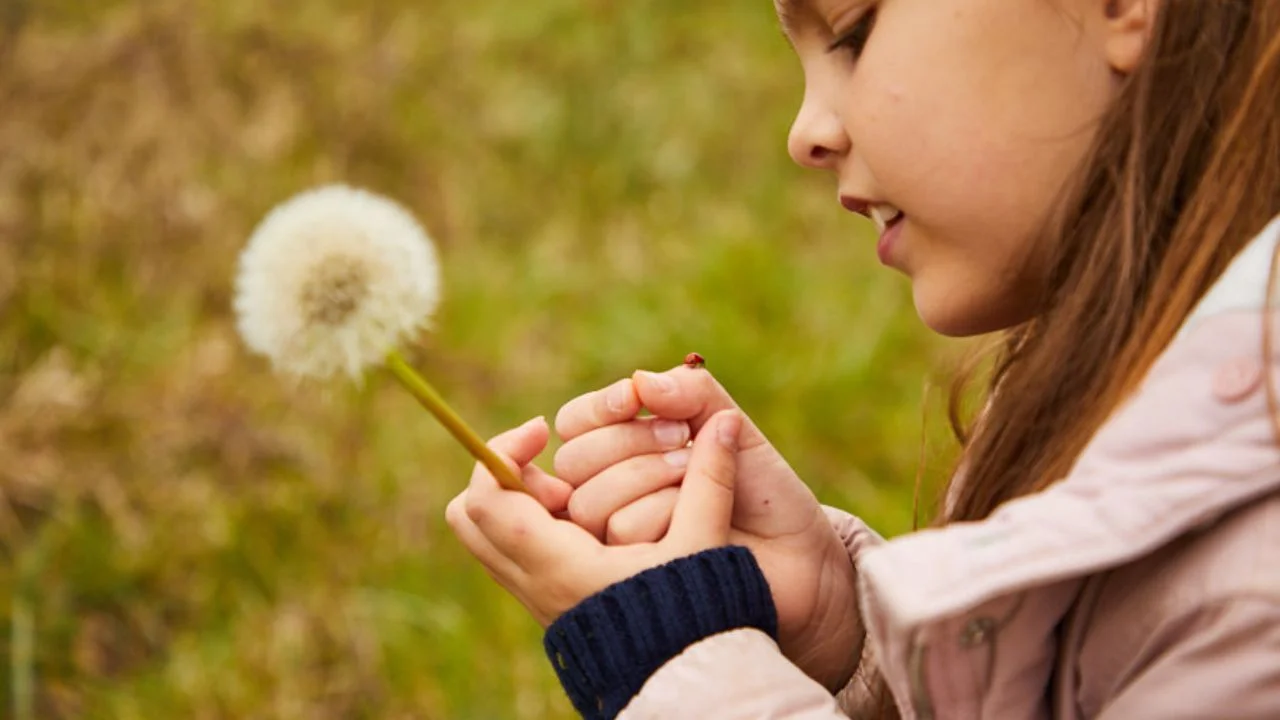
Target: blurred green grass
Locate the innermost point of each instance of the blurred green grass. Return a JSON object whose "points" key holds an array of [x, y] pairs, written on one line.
{"points": [[186, 536]]}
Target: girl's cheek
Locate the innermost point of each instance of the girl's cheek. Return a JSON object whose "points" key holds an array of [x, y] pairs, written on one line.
{"points": [[895, 93]]}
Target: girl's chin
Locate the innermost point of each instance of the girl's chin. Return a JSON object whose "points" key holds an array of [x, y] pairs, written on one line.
{"points": [[955, 313]]}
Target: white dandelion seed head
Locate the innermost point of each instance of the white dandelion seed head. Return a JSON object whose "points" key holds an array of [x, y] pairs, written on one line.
{"points": [[332, 280]]}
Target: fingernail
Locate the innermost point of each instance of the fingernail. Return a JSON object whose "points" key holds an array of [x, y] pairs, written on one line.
{"points": [[661, 383], [678, 458], [727, 430], [540, 420], [618, 395], [671, 433]]}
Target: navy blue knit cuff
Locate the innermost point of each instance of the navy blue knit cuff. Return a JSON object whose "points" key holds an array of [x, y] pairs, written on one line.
{"points": [[605, 649]]}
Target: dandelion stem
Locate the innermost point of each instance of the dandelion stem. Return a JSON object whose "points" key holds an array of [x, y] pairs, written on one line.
{"points": [[431, 400]]}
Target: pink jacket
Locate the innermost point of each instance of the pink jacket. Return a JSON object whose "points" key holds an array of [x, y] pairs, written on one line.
{"points": [[1146, 584]]}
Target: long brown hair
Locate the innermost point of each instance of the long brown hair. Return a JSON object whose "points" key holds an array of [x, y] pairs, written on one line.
{"points": [[1185, 170]]}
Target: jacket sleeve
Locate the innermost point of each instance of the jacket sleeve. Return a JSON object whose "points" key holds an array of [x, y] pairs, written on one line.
{"points": [[743, 674], [1221, 660], [738, 675], [856, 699]]}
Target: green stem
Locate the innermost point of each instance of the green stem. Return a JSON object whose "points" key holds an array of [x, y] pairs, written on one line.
{"points": [[431, 400]]}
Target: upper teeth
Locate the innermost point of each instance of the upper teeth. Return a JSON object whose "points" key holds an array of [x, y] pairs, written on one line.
{"points": [[883, 215]]}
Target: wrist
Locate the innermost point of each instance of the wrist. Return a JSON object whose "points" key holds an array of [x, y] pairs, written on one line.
{"points": [[830, 656], [605, 648], [828, 647]]}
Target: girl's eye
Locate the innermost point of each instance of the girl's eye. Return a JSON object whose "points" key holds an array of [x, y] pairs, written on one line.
{"points": [[856, 38]]}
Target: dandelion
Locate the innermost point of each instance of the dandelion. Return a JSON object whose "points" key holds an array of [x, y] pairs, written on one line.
{"points": [[332, 282]]}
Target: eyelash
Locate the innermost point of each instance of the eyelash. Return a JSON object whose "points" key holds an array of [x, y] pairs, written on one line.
{"points": [[855, 40]]}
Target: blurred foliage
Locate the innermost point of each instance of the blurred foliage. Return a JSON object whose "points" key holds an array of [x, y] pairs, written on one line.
{"points": [[185, 535]]}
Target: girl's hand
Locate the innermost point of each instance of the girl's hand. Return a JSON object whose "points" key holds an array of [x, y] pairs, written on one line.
{"points": [[551, 565], [624, 493], [635, 465]]}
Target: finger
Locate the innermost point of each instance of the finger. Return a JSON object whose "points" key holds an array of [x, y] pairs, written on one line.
{"points": [[499, 567], [521, 445], [517, 448], [644, 521], [518, 526], [614, 404], [588, 454], [620, 485], [692, 394], [522, 530], [507, 516], [552, 492], [705, 511]]}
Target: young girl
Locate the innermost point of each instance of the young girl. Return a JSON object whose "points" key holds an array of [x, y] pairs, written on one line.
{"points": [[1096, 178]]}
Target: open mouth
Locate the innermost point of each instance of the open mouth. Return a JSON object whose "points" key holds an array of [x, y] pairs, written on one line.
{"points": [[885, 216]]}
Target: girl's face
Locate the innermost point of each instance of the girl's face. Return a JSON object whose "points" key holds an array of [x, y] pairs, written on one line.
{"points": [[968, 117]]}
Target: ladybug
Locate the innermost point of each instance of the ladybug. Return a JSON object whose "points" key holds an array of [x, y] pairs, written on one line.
{"points": [[694, 360]]}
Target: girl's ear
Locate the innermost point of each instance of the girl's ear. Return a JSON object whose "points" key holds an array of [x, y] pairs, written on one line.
{"points": [[1128, 27]]}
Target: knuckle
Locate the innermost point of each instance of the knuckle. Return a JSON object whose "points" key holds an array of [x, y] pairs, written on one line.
{"points": [[578, 507], [519, 531], [477, 512], [575, 416], [506, 443], [669, 433], [614, 402], [634, 529], [566, 419], [722, 479], [620, 530], [703, 381], [711, 392], [564, 464], [453, 512], [720, 467], [600, 413], [629, 440], [583, 512], [561, 425]]}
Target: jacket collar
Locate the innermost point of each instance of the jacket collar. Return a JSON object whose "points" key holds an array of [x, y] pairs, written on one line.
{"points": [[1243, 286]]}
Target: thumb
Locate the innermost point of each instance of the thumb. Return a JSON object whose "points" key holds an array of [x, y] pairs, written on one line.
{"points": [[693, 395], [704, 511], [682, 393]]}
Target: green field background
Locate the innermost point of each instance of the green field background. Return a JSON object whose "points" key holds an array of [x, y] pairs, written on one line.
{"points": [[186, 535]]}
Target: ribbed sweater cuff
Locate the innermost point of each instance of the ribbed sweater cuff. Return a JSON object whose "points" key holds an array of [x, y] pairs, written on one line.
{"points": [[605, 649]]}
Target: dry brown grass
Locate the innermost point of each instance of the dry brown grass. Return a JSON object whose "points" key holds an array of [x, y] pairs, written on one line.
{"points": [[183, 534]]}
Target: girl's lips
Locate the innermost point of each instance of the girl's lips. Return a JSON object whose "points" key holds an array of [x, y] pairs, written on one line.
{"points": [[888, 220], [886, 247], [856, 205]]}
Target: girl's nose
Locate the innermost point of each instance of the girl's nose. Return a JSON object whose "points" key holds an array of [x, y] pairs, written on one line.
{"points": [[818, 139]]}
